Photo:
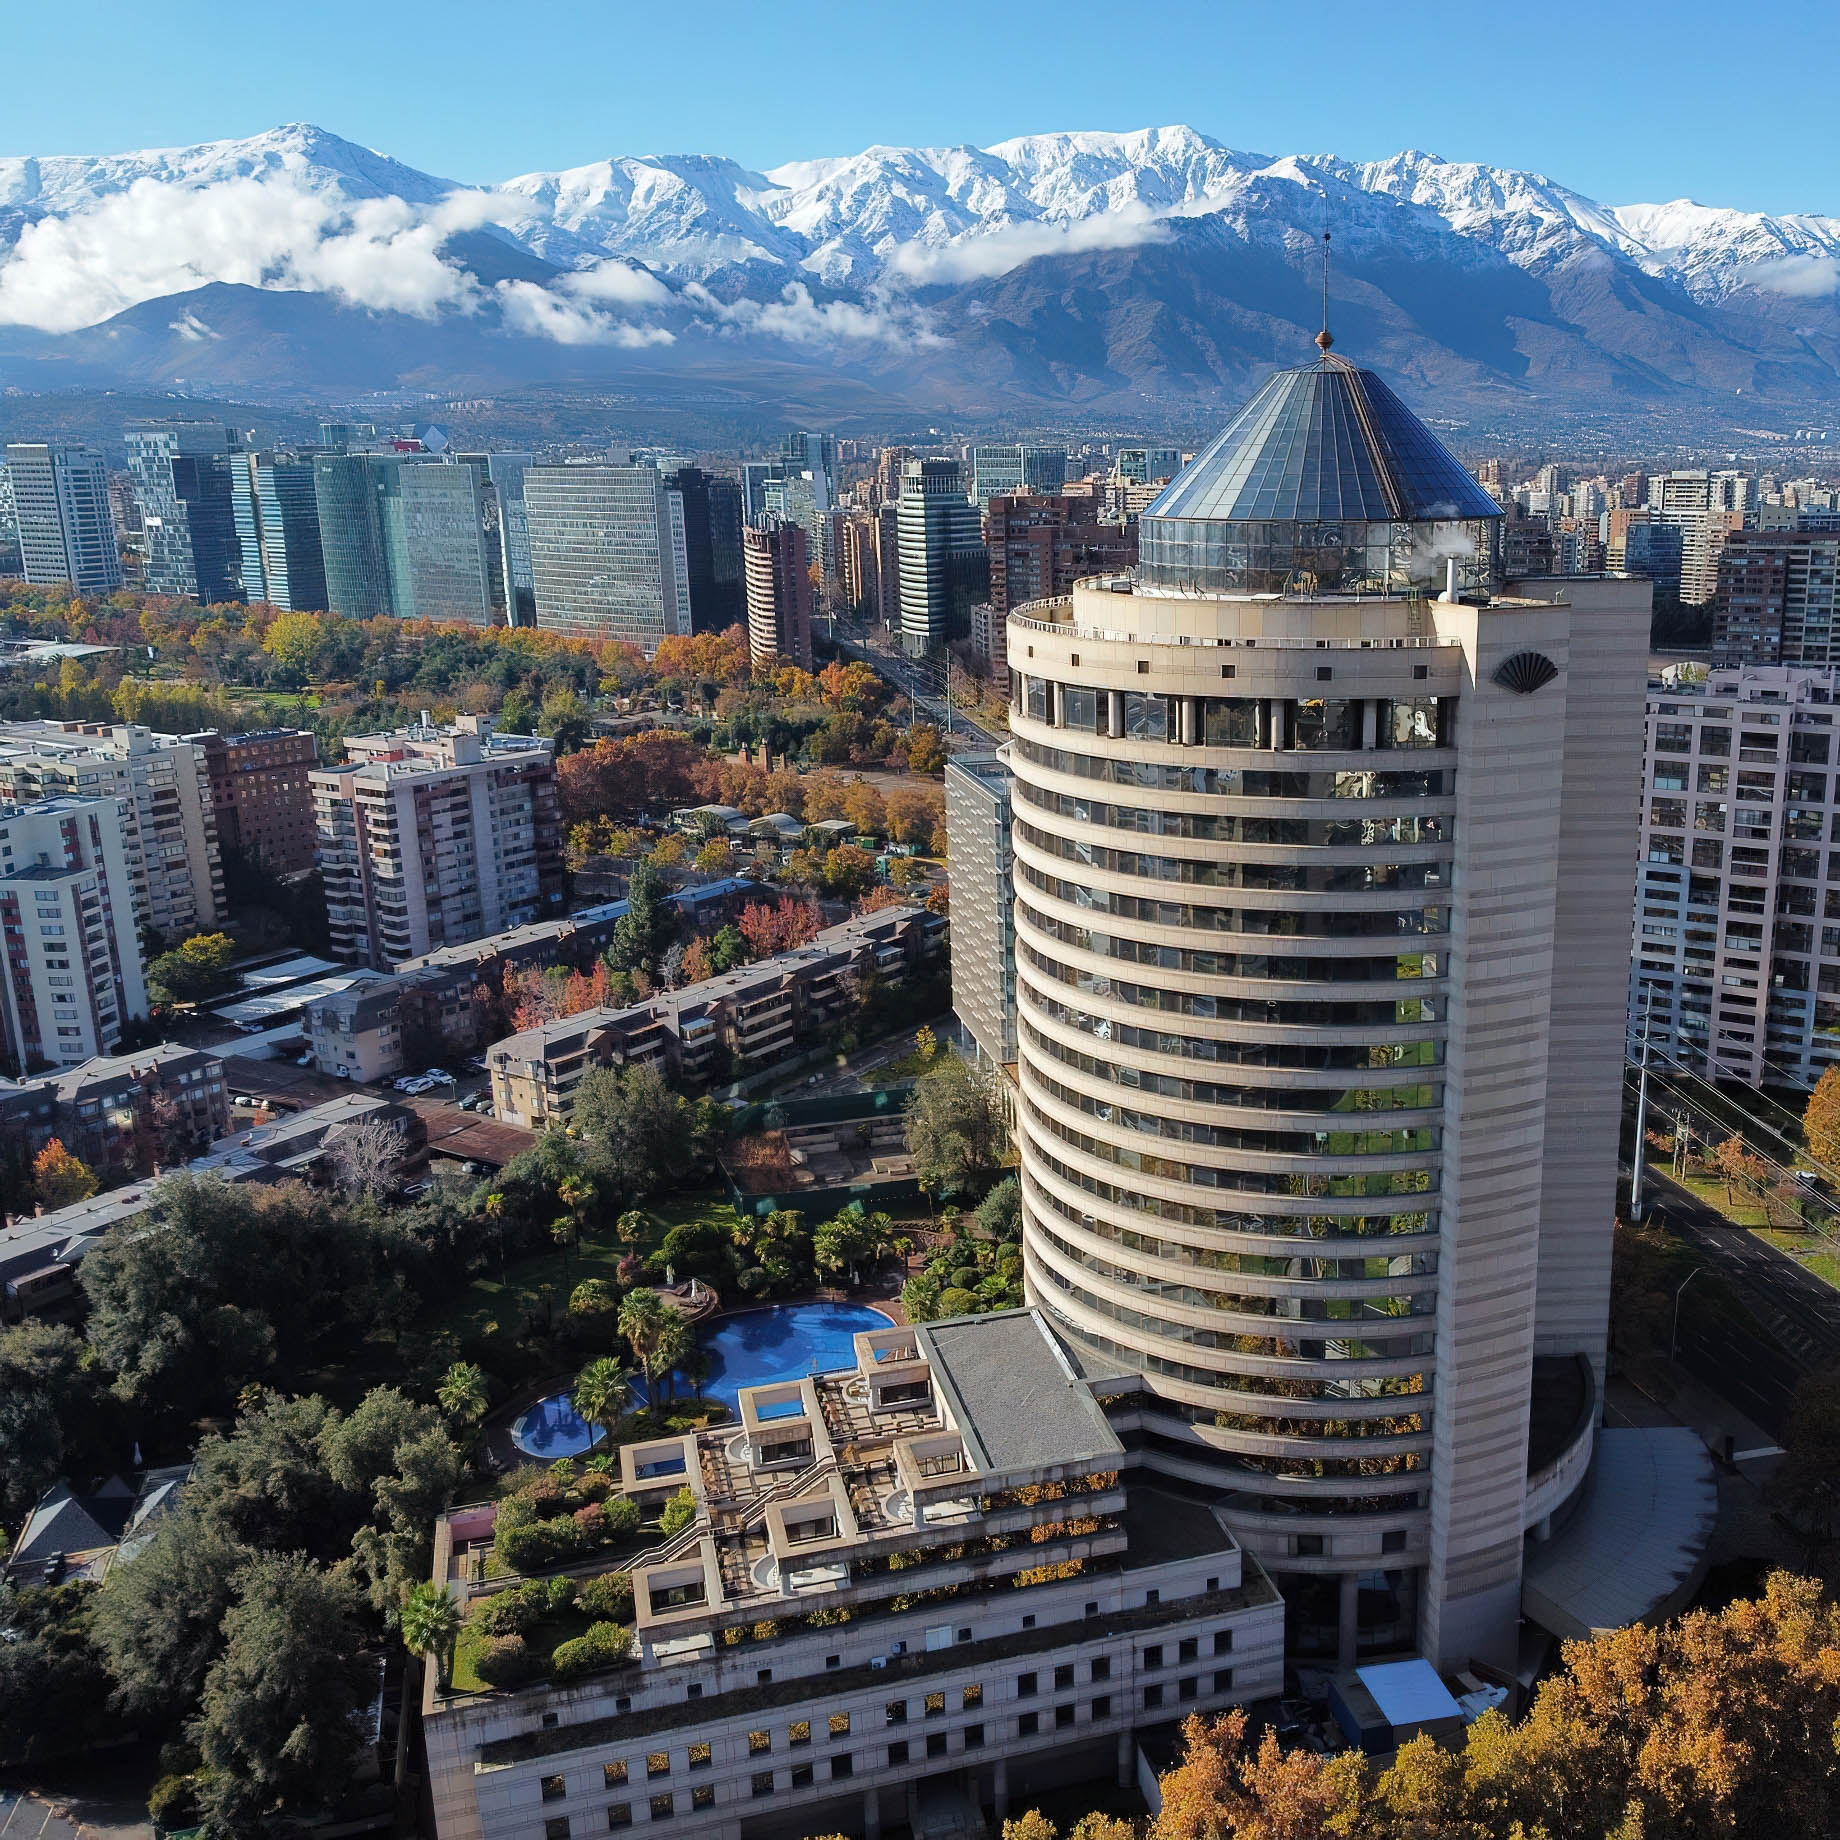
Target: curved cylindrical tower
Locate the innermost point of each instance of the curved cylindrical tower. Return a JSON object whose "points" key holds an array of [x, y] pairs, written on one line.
{"points": [[1246, 964]]}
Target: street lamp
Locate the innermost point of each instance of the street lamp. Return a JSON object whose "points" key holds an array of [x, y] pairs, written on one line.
{"points": [[1674, 1332]]}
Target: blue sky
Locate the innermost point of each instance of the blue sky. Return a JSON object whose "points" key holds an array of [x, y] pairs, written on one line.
{"points": [[1626, 104]]}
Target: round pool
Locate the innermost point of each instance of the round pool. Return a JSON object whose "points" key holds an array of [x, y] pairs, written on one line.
{"points": [[779, 1341]]}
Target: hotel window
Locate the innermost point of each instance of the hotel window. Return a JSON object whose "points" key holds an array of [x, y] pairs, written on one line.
{"points": [[1028, 1724], [658, 1763], [842, 1766], [699, 1756], [1102, 1706], [897, 1753], [1102, 1667], [1026, 1686], [799, 1732], [761, 1783], [935, 1705], [759, 1741], [1153, 1697], [556, 1827], [935, 1743], [801, 1776], [840, 1725], [619, 1814], [555, 1788], [663, 1807], [613, 1775], [703, 1796]]}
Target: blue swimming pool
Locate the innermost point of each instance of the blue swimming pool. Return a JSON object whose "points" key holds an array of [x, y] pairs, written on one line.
{"points": [[780, 1341]]}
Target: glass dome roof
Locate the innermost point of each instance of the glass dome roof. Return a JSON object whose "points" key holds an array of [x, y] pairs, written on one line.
{"points": [[1324, 443]]}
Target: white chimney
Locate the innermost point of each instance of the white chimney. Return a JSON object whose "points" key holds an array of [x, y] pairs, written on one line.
{"points": [[1450, 579]]}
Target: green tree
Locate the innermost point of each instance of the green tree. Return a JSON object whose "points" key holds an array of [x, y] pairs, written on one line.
{"points": [[199, 967], [158, 1620], [430, 1622], [955, 1129], [564, 719], [602, 1392], [54, 1682], [274, 1731], [999, 1214], [646, 923], [396, 1458], [51, 1412], [678, 1513], [637, 1134], [464, 1394], [842, 1243]]}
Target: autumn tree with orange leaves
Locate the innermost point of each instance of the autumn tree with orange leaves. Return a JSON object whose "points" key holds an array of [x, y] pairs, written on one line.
{"points": [[1720, 1726]]}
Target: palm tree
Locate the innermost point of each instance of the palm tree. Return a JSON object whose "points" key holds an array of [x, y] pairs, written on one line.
{"points": [[601, 1393], [642, 1322], [675, 1342], [431, 1626], [463, 1393]]}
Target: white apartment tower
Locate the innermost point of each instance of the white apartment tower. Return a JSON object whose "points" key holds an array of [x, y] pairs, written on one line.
{"points": [[73, 962], [169, 823], [433, 837], [61, 499], [1320, 965], [1737, 928]]}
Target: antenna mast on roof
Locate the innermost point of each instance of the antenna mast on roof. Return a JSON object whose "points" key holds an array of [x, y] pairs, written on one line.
{"points": [[1324, 339]]}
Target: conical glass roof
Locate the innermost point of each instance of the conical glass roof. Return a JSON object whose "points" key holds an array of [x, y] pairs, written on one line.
{"points": [[1325, 443]]}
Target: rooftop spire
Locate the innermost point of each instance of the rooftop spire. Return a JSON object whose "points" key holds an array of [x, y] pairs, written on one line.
{"points": [[1325, 338]]}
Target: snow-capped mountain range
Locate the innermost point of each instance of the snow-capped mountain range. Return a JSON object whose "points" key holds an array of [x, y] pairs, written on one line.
{"points": [[935, 269]]}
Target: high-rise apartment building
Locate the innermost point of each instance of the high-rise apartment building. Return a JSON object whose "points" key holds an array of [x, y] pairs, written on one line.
{"points": [[1041, 544], [861, 566], [277, 528], [61, 505], [182, 474], [168, 821], [608, 553], [712, 546], [1705, 508], [1741, 795], [888, 566], [1337, 1211], [943, 565], [261, 794], [73, 962], [432, 837], [1010, 468], [983, 902], [778, 593], [1778, 598]]}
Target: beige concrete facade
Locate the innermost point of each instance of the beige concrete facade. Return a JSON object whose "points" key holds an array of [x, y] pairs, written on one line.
{"points": [[1244, 829]]}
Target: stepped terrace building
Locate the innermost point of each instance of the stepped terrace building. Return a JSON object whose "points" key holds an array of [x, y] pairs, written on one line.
{"points": [[899, 1593], [1323, 845]]}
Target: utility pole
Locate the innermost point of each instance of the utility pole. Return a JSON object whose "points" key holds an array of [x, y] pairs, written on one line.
{"points": [[1641, 1157]]}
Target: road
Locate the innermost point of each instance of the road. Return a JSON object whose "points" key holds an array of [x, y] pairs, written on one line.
{"points": [[917, 680], [1799, 1314]]}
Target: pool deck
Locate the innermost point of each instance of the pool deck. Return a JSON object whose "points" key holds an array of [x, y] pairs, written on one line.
{"points": [[503, 1455]]}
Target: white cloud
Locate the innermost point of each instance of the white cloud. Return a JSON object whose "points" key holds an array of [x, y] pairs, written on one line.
{"points": [[1802, 277], [996, 252], [617, 283], [191, 328], [156, 239], [799, 320], [541, 313]]}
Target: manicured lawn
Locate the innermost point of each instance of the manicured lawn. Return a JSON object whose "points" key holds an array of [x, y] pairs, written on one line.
{"points": [[1734, 1204], [549, 1277], [1808, 1251]]}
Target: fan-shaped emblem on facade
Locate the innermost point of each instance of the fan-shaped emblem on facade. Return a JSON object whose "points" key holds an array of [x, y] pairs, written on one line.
{"points": [[1525, 672]]}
